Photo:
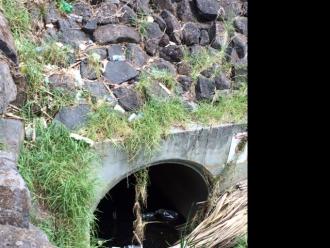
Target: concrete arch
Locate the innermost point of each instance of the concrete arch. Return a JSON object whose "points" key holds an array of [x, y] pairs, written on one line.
{"points": [[204, 149]]}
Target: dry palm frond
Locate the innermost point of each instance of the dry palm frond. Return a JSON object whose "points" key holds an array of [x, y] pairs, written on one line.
{"points": [[225, 223], [140, 199]]}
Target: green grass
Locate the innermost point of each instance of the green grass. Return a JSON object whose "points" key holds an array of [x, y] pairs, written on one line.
{"points": [[59, 173], [144, 133], [242, 242], [147, 77], [140, 23], [227, 109], [94, 62], [53, 54], [104, 123]]}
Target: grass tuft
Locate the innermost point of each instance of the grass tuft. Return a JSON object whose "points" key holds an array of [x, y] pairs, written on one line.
{"points": [[227, 109], [94, 62], [58, 172]]}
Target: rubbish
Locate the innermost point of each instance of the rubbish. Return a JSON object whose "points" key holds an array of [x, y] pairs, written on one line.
{"points": [[118, 58], [65, 7], [160, 215]]}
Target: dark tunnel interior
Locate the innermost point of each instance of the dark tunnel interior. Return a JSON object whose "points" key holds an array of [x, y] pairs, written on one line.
{"points": [[172, 187]]}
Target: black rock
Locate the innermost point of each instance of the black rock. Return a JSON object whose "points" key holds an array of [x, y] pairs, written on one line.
{"points": [[240, 24], [115, 51], [102, 52], [185, 82], [153, 31], [52, 15], [113, 33], [219, 35], [208, 9], [87, 71], [191, 34], [231, 8], [222, 82], [119, 72], [70, 33], [73, 117], [129, 99], [240, 45], [136, 55], [173, 26], [8, 90], [171, 53], [184, 69], [162, 64], [208, 72], [106, 13], [204, 38], [165, 5], [185, 11], [64, 81], [99, 91], [196, 50], [205, 88], [128, 15], [161, 23], [164, 41], [151, 46], [82, 9], [89, 26]]}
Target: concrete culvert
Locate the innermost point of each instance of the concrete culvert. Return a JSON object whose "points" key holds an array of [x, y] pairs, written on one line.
{"points": [[174, 189]]}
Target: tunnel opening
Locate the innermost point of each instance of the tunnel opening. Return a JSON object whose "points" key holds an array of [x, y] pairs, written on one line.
{"points": [[173, 189]]}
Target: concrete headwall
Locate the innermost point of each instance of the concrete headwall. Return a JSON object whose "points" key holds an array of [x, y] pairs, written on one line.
{"points": [[208, 150]]}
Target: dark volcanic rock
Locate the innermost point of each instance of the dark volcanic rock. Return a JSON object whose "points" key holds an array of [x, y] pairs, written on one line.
{"points": [[15, 237], [185, 11], [21, 85], [151, 46], [164, 41], [52, 15], [165, 4], [99, 91], [205, 88], [8, 90], [113, 33], [102, 52], [204, 38], [162, 64], [222, 82], [171, 53], [7, 45], [185, 82], [73, 117], [191, 34], [119, 72], [208, 9], [196, 50], [128, 15], [12, 135], [240, 24], [82, 9], [184, 69], [129, 99], [136, 55], [115, 51], [219, 35], [173, 27], [87, 71], [89, 26], [65, 81], [70, 33], [240, 45], [153, 31], [161, 23], [15, 197], [231, 8], [106, 13]]}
